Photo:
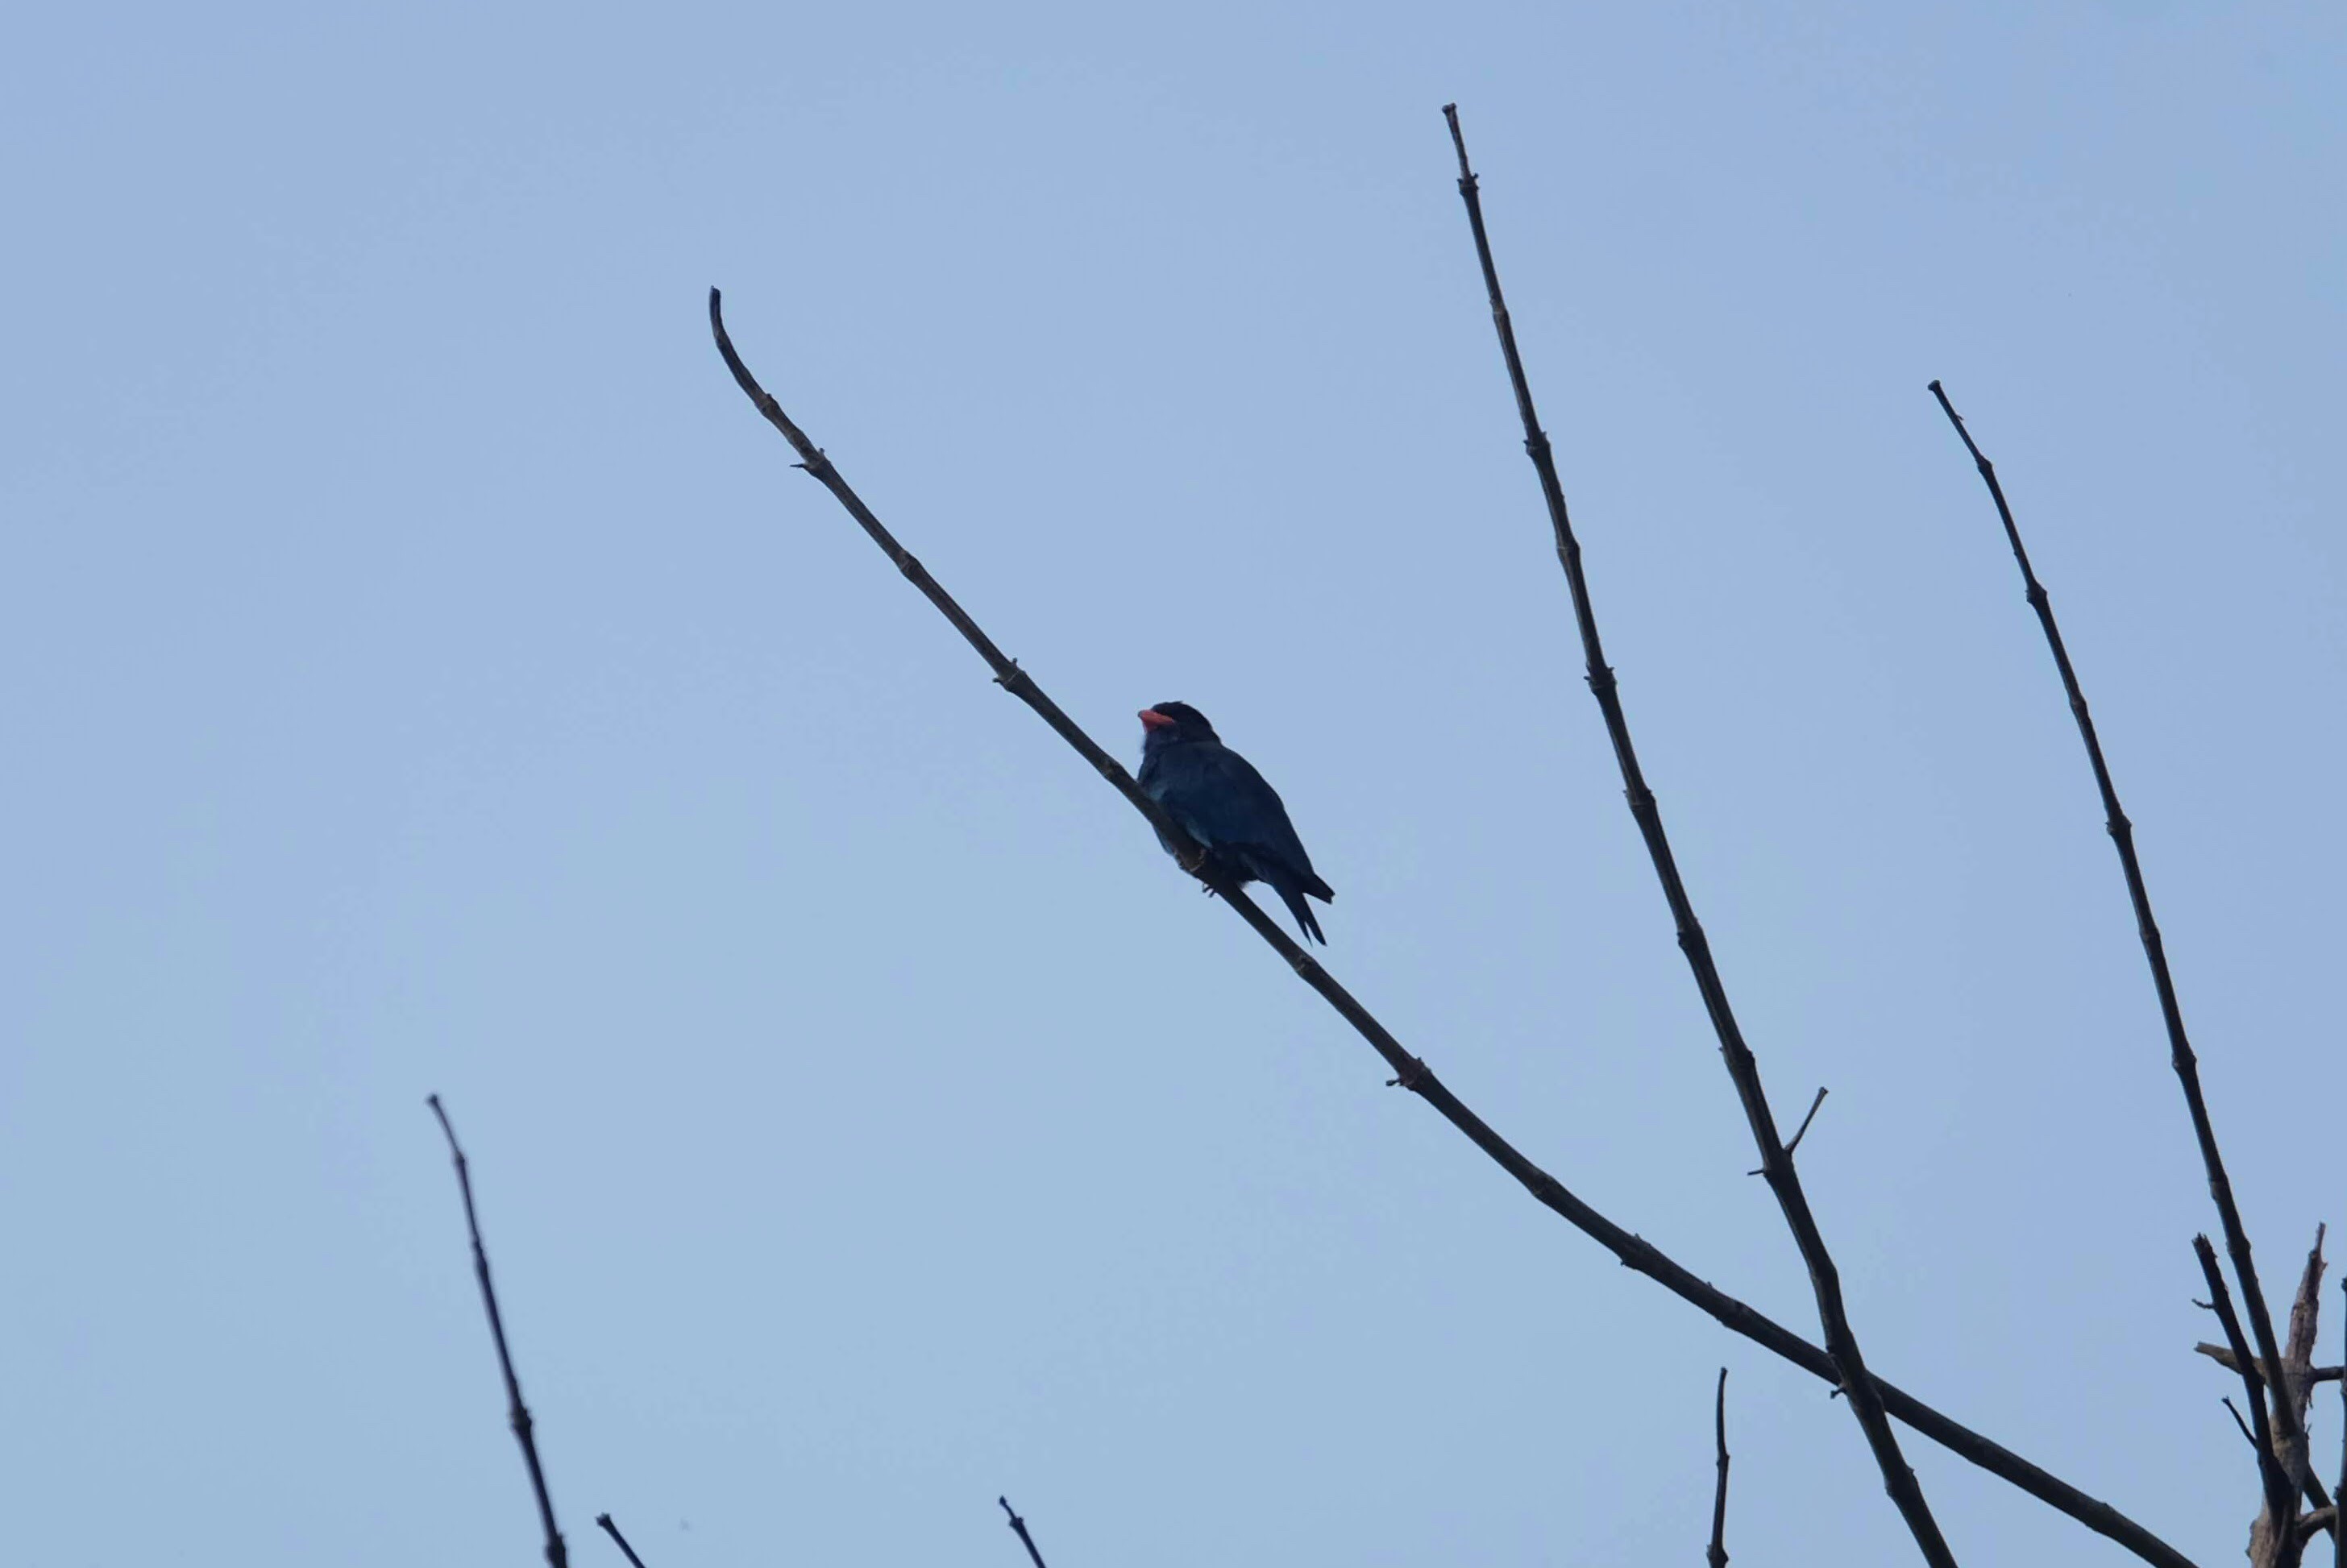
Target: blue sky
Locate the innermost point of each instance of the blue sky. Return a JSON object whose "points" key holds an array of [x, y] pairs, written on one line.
{"points": [[425, 673]]}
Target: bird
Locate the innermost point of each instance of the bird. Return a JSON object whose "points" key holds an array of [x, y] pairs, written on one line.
{"points": [[1215, 796]]}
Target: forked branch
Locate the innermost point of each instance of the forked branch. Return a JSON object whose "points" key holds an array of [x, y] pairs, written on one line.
{"points": [[2273, 1542], [1633, 1251]]}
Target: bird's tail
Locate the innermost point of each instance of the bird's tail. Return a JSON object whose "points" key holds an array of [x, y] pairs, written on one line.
{"points": [[1297, 906], [1291, 889]]}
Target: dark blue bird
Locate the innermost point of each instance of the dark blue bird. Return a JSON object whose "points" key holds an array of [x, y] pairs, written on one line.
{"points": [[1216, 797]]}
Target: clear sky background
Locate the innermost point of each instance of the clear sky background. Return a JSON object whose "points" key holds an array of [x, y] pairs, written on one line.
{"points": [[421, 670]]}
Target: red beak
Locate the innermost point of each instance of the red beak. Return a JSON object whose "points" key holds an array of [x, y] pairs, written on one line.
{"points": [[1150, 719]]}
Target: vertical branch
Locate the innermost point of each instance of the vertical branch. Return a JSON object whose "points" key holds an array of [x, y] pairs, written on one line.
{"points": [[1777, 1165], [1717, 1554], [1019, 1526], [517, 1412], [2273, 1534], [2295, 1387], [612, 1530], [2155, 951]]}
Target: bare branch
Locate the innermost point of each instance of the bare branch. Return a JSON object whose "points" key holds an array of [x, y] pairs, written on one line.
{"points": [[557, 1556], [1775, 1161], [612, 1530], [1798, 1132], [2155, 951], [1717, 1553], [2235, 1410], [1634, 1251], [2297, 1387], [2224, 1358], [2280, 1497], [1020, 1525]]}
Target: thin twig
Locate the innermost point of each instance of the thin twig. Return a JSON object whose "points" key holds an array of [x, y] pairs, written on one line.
{"points": [[2247, 1436], [1775, 1161], [1634, 1251], [1020, 1525], [2338, 1535], [1798, 1132], [1717, 1553], [557, 1555], [612, 1530], [2281, 1496], [2155, 951]]}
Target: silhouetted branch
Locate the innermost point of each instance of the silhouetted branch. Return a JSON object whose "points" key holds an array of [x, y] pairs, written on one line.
{"points": [[2247, 1436], [2281, 1496], [1633, 1251], [1798, 1132], [1716, 1554], [1020, 1525], [2155, 951], [556, 1554], [612, 1530], [1776, 1161]]}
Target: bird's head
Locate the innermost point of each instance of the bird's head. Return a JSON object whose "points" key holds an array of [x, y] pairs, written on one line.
{"points": [[1168, 723]]}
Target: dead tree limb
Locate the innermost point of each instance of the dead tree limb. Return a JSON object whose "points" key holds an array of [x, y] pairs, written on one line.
{"points": [[1634, 1252], [1776, 1160], [557, 1556], [2122, 831], [2273, 1541], [2300, 1376], [2224, 1358]]}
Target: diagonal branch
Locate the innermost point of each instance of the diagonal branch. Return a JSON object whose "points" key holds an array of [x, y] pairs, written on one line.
{"points": [[2281, 1496], [1716, 1553], [557, 1556], [1775, 1161], [612, 1530], [1019, 1526], [2155, 951], [1634, 1252]]}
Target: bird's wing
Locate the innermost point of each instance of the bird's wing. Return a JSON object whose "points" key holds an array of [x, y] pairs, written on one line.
{"points": [[1218, 795]]}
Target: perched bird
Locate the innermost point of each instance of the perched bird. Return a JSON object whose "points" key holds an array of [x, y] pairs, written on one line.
{"points": [[1216, 797]]}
